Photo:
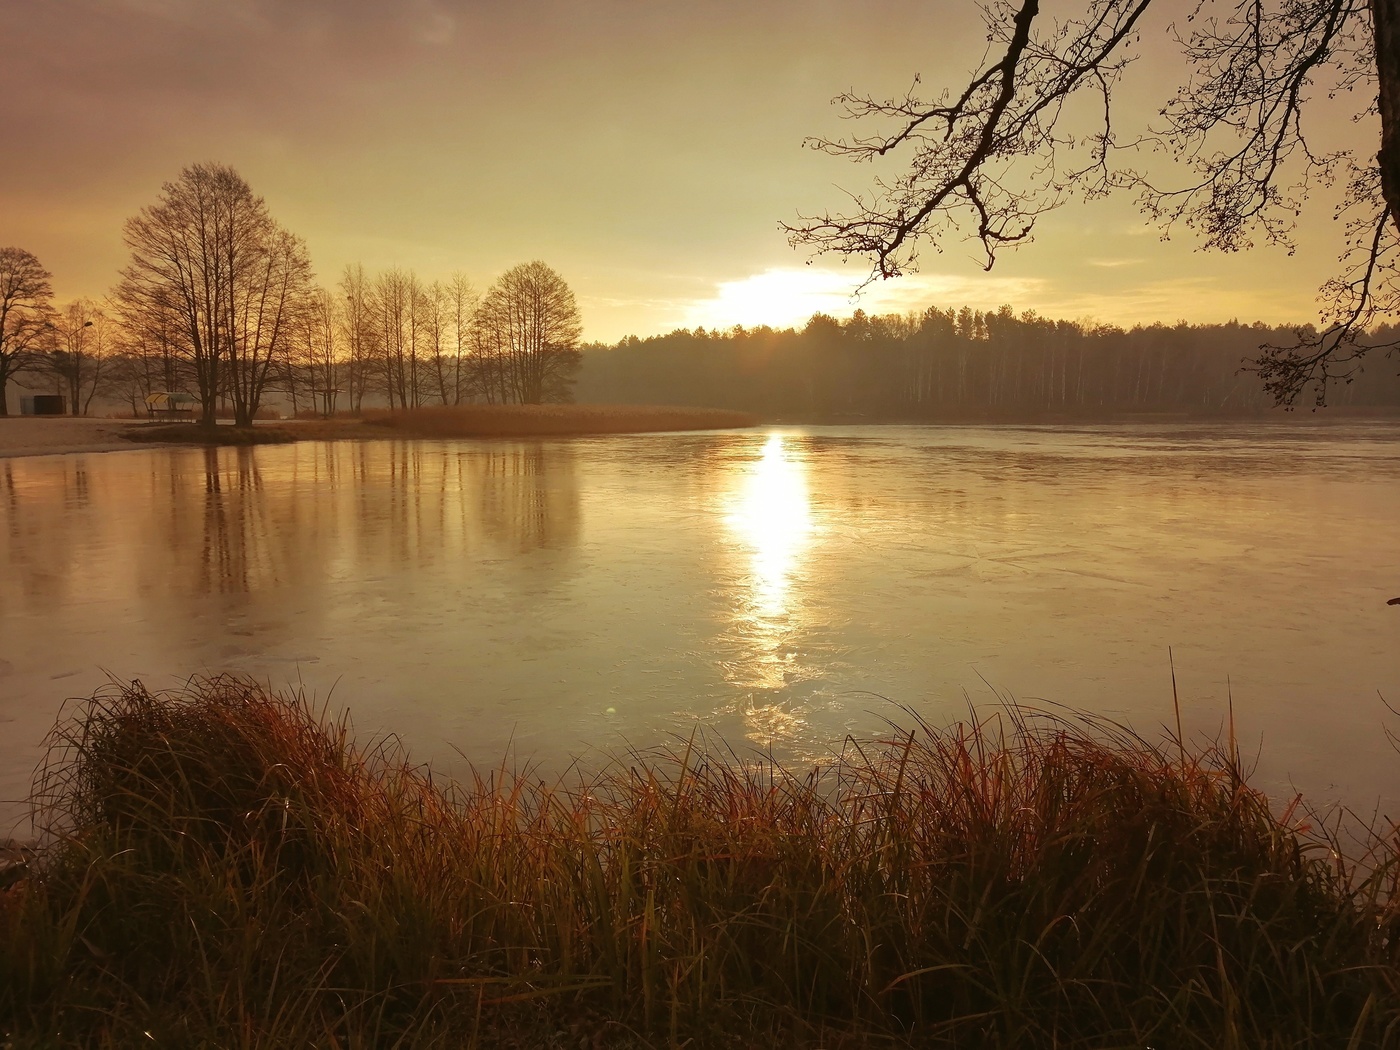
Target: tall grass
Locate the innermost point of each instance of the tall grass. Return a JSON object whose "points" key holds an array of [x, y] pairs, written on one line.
{"points": [[231, 869]]}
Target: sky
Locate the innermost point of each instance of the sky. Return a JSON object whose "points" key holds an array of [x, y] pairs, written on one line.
{"points": [[647, 150]]}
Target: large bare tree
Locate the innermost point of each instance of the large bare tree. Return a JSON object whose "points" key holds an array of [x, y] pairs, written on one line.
{"points": [[24, 315], [987, 159], [209, 256]]}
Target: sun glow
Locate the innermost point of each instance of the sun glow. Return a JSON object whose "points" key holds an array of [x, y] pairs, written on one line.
{"points": [[787, 298], [777, 298]]}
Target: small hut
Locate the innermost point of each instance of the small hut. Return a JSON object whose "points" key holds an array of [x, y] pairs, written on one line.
{"points": [[42, 405]]}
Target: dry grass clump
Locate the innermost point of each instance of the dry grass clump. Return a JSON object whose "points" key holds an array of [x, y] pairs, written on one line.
{"points": [[234, 870], [544, 420]]}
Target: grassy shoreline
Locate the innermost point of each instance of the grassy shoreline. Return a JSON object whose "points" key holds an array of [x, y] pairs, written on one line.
{"points": [[232, 868]]}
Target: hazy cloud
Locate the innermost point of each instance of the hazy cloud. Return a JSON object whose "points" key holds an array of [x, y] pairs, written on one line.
{"points": [[647, 151]]}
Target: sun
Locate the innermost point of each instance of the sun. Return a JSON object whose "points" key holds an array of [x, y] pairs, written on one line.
{"points": [[776, 298]]}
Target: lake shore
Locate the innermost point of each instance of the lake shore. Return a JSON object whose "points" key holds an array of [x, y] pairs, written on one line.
{"points": [[58, 435], [55, 435]]}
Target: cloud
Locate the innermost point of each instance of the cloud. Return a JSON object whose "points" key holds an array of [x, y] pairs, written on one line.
{"points": [[434, 25], [1195, 299], [621, 140], [981, 292]]}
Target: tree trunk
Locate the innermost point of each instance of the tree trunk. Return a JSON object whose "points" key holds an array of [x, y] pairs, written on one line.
{"points": [[1385, 17]]}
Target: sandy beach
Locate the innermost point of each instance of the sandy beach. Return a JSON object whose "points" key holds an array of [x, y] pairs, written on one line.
{"points": [[49, 435]]}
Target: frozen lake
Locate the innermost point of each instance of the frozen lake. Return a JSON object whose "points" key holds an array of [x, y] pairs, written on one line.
{"points": [[784, 586]]}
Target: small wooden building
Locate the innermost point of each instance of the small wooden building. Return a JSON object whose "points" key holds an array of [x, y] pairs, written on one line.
{"points": [[42, 405]]}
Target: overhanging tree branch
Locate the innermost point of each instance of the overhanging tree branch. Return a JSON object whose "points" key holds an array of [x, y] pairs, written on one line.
{"points": [[970, 154], [985, 162]]}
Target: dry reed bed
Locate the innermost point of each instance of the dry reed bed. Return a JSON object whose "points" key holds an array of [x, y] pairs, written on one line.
{"points": [[544, 420], [197, 434], [234, 870]]}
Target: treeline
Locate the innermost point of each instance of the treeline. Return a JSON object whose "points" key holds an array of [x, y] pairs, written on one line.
{"points": [[397, 340], [219, 303], [963, 364]]}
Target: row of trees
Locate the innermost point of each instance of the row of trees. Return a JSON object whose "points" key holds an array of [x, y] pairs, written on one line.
{"points": [[219, 299], [946, 364], [419, 344]]}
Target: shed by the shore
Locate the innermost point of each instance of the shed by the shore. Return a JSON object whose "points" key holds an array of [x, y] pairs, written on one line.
{"points": [[42, 405]]}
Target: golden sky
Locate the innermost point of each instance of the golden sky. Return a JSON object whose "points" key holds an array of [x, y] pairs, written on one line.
{"points": [[646, 149]]}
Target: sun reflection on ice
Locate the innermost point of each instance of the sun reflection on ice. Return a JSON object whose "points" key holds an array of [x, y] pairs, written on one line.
{"points": [[771, 516]]}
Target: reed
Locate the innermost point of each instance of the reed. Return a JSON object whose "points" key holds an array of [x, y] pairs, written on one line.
{"points": [[197, 434], [544, 420], [228, 867]]}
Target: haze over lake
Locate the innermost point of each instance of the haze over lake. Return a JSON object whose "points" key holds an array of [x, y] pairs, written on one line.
{"points": [[783, 586]]}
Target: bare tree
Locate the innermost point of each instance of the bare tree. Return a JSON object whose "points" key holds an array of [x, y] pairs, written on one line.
{"points": [[988, 159], [359, 333], [321, 327], [433, 306], [79, 350], [267, 303], [149, 358], [462, 302], [308, 371], [24, 310], [392, 308], [528, 327], [209, 256], [415, 333]]}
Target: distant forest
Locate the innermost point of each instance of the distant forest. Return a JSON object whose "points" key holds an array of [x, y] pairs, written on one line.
{"points": [[961, 365]]}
